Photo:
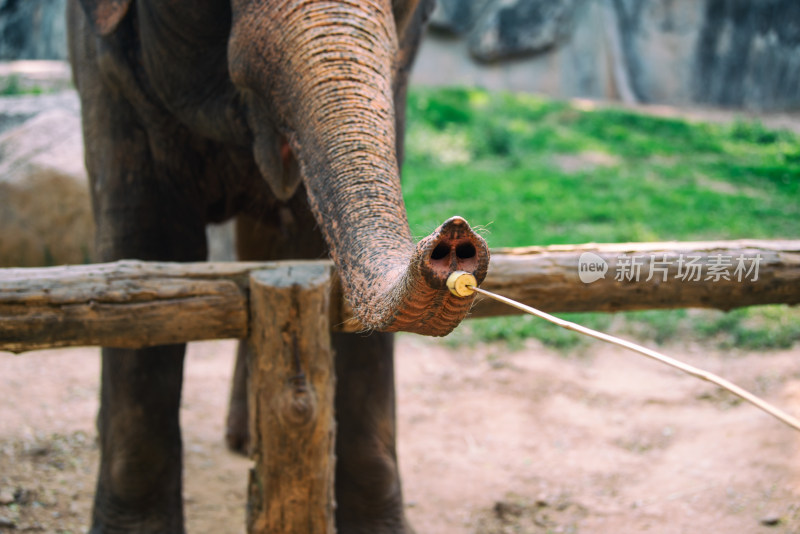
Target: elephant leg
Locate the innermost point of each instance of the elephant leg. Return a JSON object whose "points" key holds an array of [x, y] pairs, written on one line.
{"points": [[140, 477], [237, 432], [368, 491], [139, 214], [139, 482]]}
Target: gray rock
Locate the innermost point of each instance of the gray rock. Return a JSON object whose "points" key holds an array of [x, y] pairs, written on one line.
{"points": [[45, 210], [511, 28], [44, 197], [16, 110], [771, 520], [730, 53], [7, 497], [575, 67], [457, 16], [653, 46], [33, 29], [748, 54]]}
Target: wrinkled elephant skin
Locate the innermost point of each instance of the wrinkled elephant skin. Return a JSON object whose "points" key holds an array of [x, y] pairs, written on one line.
{"points": [[288, 115]]}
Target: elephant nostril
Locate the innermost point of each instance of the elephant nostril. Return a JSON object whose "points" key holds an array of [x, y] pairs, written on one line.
{"points": [[440, 252], [465, 251], [453, 247]]}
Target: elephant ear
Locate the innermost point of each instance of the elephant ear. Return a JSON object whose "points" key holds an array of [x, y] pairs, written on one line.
{"points": [[403, 10], [105, 15]]}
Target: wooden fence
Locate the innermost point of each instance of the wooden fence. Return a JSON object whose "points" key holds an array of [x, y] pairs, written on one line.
{"points": [[286, 310]]}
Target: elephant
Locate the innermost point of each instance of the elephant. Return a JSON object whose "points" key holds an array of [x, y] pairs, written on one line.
{"points": [[289, 116]]}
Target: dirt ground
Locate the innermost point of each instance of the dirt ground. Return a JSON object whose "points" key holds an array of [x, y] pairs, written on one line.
{"points": [[491, 441]]}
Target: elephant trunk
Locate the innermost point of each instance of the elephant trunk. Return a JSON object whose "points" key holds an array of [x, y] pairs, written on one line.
{"points": [[330, 68]]}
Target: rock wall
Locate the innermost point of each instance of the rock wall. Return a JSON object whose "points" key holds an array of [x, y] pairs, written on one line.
{"points": [[748, 54], [740, 54], [33, 29], [485, 48]]}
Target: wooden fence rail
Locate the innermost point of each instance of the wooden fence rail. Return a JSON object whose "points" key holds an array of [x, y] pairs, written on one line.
{"points": [[285, 311], [136, 304]]}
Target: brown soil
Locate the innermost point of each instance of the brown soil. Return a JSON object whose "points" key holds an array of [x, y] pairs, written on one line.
{"points": [[490, 441]]}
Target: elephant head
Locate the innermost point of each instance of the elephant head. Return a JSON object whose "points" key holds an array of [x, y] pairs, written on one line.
{"points": [[316, 82]]}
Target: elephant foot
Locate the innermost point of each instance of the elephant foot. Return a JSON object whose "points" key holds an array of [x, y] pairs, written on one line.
{"points": [[384, 529], [162, 514], [237, 432], [141, 527], [368, 493], [392, 523]]}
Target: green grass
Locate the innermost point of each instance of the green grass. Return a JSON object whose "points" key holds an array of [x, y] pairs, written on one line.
{"points": [[528, 170], [13, 86]]}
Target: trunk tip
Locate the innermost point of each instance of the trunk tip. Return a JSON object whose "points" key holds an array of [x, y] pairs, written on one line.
{"points": [[455, 221], [454, 246]]}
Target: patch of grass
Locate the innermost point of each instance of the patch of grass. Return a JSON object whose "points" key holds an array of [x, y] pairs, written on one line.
{"points": [[516, 329], [13, 86], [490, 158], [658, 326], [497, 159], [757, 327], [753, 328]]}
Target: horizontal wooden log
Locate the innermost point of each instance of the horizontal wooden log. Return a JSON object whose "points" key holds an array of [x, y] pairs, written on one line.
{"points": [[645, 276], [127, 304], [134, 304]]}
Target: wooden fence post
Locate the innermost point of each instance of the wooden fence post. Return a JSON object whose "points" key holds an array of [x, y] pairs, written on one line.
{"points": [[291, 395]]}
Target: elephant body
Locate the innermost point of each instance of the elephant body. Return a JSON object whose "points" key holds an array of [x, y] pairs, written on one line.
{"points": [[289, 116]]}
